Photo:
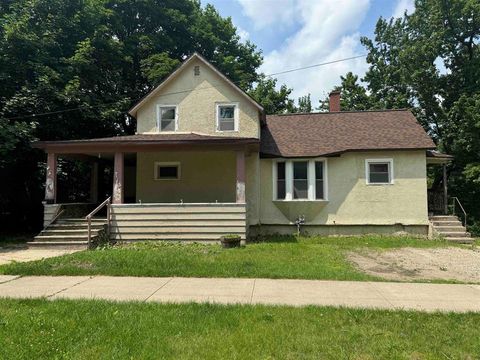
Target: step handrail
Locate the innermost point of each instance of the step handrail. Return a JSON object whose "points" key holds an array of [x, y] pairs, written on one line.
{"points": [[455, 200], [59, 212], [97, 209]]}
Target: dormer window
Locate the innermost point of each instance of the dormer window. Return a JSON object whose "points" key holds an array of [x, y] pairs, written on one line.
{"points": [[227, 117], [167, 118]]}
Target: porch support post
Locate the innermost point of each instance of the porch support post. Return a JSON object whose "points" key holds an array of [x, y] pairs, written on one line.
{"points": [[51, 179], [118, 185], [240, 177], [94, 183], [445, 191]]}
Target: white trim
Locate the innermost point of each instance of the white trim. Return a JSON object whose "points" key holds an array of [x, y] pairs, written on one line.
{"points": [[133, 110], [159, 115], [388, 161], [157, 164], [311, 179], [235, 116]]}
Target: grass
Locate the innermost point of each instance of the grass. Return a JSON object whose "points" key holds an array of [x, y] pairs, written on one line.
{"points": [[41, 329], [281, 257], [14, 239]]}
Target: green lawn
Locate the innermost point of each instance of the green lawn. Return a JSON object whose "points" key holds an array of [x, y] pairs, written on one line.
{"points": [[41, 329], [282, 257]]}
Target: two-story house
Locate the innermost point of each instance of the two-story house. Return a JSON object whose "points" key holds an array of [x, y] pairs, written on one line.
{"points": [[207, 161]]}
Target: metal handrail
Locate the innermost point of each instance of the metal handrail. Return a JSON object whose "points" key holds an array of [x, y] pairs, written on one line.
{"points": [[60, 211], [455, 200], [97, 209]]}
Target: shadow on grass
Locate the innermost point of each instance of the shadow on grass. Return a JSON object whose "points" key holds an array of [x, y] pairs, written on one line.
{"points": [[15, 239], [275, 238]]}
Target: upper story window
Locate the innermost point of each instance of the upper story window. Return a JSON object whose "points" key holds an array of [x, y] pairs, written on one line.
{"points": [[167, 118], [227, 117], [300, 180], [379, 171]]}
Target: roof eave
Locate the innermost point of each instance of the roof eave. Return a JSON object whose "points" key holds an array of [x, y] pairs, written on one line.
{"points": [[195, 55]]}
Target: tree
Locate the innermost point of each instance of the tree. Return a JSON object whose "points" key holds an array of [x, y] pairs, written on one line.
{"points": [[304, 104], [429, 61], [354, 96], [84, 63], [273, 101]]}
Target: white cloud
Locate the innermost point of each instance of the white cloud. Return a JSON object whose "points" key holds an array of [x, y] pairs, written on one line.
{"points": [[402, 6], [244, 34], [327, 32], [265, 13]]}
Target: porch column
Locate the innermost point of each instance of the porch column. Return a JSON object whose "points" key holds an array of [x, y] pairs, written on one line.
{"points": [[445, 191], [51, 179], [94, 183], [118, 186], [240, 177]]}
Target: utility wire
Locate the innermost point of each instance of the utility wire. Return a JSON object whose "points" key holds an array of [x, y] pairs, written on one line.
{"points": [[184, 91]]}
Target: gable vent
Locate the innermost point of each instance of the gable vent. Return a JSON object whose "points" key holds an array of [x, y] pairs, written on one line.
{"points": [[196, 70]]}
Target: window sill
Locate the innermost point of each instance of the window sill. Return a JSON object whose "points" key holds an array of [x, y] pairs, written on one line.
{"points": [[301, 201], [379, 184], [226, 131]]}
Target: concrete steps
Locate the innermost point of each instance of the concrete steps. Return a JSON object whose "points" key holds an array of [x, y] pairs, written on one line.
{"points": [[450, 228], [67, 234]]}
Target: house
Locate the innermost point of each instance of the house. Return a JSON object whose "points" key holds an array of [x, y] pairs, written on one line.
{"points": [[207, 161]]}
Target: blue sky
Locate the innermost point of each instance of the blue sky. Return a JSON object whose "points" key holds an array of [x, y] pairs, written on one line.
{"points": [[296, 33]]}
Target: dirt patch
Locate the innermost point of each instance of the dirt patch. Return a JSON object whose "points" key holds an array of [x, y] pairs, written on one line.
{"points": [[415, 264]]}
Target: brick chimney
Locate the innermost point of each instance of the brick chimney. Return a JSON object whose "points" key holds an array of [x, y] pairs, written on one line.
{"points": [[334, 100]]}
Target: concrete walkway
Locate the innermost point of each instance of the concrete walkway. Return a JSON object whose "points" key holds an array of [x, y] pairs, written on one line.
{"points": [[381, 295], [23, 254]]}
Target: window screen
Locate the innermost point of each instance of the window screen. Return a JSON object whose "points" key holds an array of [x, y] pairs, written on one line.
{"points": [[226, 117], [319, 193], [167, 172], [167, 118], [281, 181], [379, 173], [300, 180]]}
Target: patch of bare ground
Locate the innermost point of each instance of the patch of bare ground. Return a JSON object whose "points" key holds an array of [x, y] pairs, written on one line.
{"points": [[420, 264]]}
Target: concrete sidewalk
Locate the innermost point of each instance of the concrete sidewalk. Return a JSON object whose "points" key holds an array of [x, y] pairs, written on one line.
{"points": [[381, 295]]}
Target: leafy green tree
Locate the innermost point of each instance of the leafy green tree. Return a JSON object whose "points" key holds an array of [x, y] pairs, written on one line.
{"points": [[84, 63], [429, 61], [304, 104], [274, 101], [354, 96]]}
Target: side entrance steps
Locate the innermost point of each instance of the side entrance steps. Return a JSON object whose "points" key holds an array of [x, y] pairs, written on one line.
{"points": [[68, 233], [450, 228]]}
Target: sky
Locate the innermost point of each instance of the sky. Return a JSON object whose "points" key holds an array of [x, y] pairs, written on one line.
{"points": [[298, 33]]}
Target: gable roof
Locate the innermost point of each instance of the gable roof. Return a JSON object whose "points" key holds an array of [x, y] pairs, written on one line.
{"points": [[195, 55], [327, 134]]}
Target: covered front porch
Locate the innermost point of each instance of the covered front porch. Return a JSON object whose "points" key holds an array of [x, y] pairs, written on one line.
{"points": [[162, 186]]}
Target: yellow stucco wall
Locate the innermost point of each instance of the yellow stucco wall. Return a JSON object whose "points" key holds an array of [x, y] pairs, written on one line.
{"points": [[197, 108], [206, 176], [350, 200]]}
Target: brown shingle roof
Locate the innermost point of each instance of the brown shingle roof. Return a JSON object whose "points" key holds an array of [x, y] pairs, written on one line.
{"points": [[140, 142], [322, 134]]}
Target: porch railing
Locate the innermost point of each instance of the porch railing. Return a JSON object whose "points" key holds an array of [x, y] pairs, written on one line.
{"points": [[97, 209], [456, 202]]}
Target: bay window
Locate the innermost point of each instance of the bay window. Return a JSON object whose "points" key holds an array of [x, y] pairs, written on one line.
{"points": [[300, 180]]}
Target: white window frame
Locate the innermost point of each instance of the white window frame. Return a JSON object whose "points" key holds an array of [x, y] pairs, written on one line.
{"points": [[159, 117], [311, 179], [388, 161], [159, 164], [235, 116]]}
